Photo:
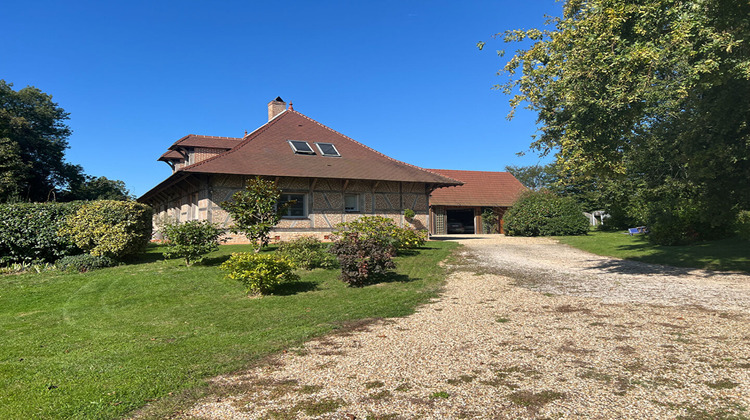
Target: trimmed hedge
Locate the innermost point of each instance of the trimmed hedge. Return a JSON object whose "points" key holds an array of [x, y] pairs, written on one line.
{"points": [[539, 213], [28, 232], [83, 263], [110, 228]]}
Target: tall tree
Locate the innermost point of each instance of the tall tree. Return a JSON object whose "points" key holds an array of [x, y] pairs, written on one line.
{"points": [[33, 136], [652, 96], [533, 177]]}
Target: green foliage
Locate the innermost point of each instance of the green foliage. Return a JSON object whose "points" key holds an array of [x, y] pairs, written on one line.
{"points": [[409, 214], [260, 273], [383, 230], [24, 267], [83, 263], [97, 188], [649, 97], [743, 224], [489, 221], [363, 259], [307, 252], [545, 214], [256, 210], [28, 232], [113, 229], [534, 177], [191, 240]]}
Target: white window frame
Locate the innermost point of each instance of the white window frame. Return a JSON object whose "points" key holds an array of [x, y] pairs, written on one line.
{"points": [[351, 210]]}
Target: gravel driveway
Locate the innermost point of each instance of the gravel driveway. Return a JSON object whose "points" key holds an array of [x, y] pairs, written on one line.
{"points": [[526, 328]]}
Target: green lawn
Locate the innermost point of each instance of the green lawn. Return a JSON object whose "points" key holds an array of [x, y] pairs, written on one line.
{"points": [[726, 254], [101, 344]]}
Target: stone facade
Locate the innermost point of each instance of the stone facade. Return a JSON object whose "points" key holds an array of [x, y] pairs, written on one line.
{"points": [[200, 196]]}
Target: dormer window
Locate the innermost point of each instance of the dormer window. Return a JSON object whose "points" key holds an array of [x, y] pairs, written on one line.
{"points": [[301, 147], [328, 149]]}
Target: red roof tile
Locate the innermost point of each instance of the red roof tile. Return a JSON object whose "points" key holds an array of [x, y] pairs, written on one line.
{"points": [[267, 152], [170, 155], [480, 188], [211, 142]]}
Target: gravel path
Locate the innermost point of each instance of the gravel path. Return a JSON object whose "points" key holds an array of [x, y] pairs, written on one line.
{"points": [[526, 328]]}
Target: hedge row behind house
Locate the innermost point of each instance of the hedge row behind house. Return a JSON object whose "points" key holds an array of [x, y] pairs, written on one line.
{"points": [[28, 232], [46, 232]]}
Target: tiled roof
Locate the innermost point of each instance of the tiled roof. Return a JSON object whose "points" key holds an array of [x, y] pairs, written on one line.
{"points": [[170, 155], [491, 189], [266, 152], [212, 142]]}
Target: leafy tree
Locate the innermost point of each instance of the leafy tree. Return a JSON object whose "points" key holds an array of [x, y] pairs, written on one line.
{"points": [[33, 140], [97, 188], [256, 210], [533, 177], [650, 97]]}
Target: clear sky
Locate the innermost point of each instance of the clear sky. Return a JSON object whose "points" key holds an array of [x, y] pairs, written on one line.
{"points": [[403, 77]]}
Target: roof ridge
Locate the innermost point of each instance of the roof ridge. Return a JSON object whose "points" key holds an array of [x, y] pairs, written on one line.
{"points": [[216, 137], [239, 145], [465, 170], [370, 148]]}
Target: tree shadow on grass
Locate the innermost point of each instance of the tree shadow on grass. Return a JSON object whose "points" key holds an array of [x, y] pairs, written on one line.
{"points": [[288, 289], [646, 266]]}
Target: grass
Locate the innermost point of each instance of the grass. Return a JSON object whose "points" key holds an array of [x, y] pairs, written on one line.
{"points": [[726, 254], [103, 344]]}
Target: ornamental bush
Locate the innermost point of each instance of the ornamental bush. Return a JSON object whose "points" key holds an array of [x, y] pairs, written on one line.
{"points": [[28, 232], [109, 228], [307, 252], [541, 213], [191, 240], [363, 259], [383, 230], [83, 263], [260, 273]]}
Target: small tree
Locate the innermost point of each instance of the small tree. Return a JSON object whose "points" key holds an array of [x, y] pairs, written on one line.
{"points": [[191, 240], [256, 210], [489, 221]]}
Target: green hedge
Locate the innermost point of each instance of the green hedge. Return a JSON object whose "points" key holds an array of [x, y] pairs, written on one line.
{"points": [[545, 214], [110, 228], [28, 232]]}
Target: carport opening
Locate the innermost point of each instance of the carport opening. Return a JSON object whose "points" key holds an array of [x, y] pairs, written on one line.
{"points": [[460, 221]]}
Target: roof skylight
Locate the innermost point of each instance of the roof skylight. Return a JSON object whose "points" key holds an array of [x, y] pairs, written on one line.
{"points": [[328, 149], [301, 147]]}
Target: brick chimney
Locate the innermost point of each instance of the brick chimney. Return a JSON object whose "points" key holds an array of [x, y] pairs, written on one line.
{"points": [[275, 107]]}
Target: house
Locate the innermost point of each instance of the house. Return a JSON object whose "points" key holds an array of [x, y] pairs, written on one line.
{"points": [[330, 177], [458, 209]]}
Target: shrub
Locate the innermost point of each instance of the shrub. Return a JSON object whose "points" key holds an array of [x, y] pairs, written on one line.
{"points": [[545, 214], [83, 263], [28, 232], [191, 240], [24, 267], [307, 252], [260, 273], [409, 214], [743, 224], [383, 230], [489, 221], [110, 228], [362, 259]]}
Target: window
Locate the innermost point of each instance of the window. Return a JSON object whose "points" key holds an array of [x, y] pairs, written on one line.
{"points": [[351, 202], [301, 147], [328, 149], [298, 208]]}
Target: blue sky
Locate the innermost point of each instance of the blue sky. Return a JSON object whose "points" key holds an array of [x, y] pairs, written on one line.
{"points": [[403, 77]]}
